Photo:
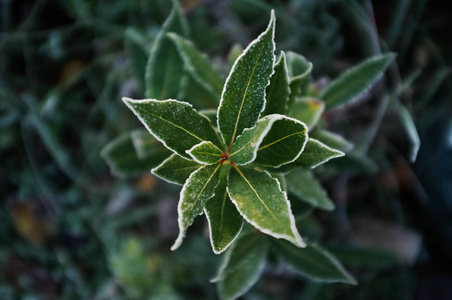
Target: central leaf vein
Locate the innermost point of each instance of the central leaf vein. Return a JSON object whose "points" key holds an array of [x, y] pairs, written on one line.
{"points": [[279, 140], [258, 197], [244, 96]]}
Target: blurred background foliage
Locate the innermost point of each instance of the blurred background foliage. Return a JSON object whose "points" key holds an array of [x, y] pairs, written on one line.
{"points": [[71, 230]]}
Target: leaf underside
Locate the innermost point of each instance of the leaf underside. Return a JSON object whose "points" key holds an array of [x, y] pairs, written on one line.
{"points": [[308, 110]]}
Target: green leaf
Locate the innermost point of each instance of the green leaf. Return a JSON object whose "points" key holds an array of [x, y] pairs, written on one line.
{"points": [[176, 124], [243, 97], [242, 266], [259, 199], [333, 140], [366, 257], [198, 188], [205, 153], [193, 93], [176, 169], [299, 73], [245, 147], [147, 145], [308, 110], [302, 184], [210, 113], [316, 153], [277, 92], [198, 66], [410, 129], [356, 81], [283, 143], [123, 160], [233, 54], [355, 162], [225, 222], [164, 68], [313, 262]]}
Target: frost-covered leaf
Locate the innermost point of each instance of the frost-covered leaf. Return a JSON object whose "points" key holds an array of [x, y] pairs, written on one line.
{"points": [[333, 140], [313, 262], [176, 124], [364, 257], [299, 73], [302, 184], [176, 169], [243, 97], [123, 160], [308, 110], [198, 188], [242, 266], [198, 66], [356, 81], [410, 129], [225, 222], [277, 92], [164, 69], [192, 92], [205, 153], [259, 199], [355, 162], [245, 147], [316, 153], [283, 143]]}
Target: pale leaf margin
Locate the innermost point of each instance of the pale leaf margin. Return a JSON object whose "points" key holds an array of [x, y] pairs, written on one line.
{"points": [[273, 118], [226, 198], [127, 102], [190, 152], [273, 24], [298, 240], [338, 152], [182, 230], [164, 162], [301, 149]]}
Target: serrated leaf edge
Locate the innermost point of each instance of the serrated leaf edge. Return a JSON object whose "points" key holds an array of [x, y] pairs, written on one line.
{"points": [[297, 239], [271, 25]]}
